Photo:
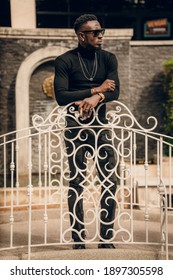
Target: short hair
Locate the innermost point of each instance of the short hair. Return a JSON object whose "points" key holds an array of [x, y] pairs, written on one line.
{"points": [[82, 20]]}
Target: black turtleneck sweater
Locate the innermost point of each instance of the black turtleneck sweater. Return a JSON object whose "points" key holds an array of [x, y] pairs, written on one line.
{"points": [[70, 84]]}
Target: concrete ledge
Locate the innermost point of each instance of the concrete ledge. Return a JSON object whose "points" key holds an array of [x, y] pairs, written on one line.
{"points": [[151, 43], [60, 33]]}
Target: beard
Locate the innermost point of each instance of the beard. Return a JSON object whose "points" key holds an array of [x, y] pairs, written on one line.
{"points": [[93, 48]]}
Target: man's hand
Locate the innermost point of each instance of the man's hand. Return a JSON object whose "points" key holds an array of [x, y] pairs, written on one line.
{"points": [[86, 106], [107, 85]]}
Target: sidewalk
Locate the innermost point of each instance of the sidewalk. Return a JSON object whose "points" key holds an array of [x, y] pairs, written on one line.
{"points": [[123, 251]]}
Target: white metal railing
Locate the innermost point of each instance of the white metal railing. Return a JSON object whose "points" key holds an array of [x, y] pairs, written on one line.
{"points": [[145, 188]]}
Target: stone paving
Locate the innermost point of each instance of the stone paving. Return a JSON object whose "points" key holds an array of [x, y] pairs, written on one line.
{"points": [[64, 252]]}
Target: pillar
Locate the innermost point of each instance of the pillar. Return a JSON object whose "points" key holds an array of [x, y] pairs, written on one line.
{"points": [[23, 13]]}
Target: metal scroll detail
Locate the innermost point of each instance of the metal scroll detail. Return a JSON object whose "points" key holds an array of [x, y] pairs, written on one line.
{"points": [[119, 115], [91, 203]]}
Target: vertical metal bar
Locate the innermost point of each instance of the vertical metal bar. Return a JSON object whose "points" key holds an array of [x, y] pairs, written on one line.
{"points": [[163, 207], [131, 185], [30, 190], [146, 187], [122, 167], [158, 162], [166, 231], [49, 163], [5, 172], [45, 189], [17, 170], [161, 197], [12, 168], [39, 167], [167, 245], [170, 175], [161, 158], [134, 169], [61, 185], [97, 201]]}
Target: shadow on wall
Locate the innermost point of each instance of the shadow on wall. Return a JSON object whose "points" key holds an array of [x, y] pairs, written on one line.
{"points": [[150, 103]]}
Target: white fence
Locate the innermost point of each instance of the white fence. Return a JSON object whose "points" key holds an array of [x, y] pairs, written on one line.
{"points": [[144, 188]]}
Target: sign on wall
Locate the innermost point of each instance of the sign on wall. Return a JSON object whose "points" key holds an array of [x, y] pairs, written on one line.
{"points": [[157, 28]]}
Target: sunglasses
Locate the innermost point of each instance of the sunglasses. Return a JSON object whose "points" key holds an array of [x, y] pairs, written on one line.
{"points": [[95, 32]]}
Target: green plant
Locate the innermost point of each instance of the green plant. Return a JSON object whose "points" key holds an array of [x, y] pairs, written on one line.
{"points": [[168, 105]]}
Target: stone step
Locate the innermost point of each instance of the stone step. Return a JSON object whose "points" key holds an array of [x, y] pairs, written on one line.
{"points": [[133, 252]]}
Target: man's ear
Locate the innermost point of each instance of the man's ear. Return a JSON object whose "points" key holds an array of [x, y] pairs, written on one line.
{"points": [[81, 36]]}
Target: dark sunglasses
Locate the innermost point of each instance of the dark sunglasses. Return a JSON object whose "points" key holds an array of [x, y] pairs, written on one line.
{"points": [[95, 32]]}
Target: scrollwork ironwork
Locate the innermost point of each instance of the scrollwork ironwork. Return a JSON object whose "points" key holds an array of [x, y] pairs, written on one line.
{"points": [[96, 183]]}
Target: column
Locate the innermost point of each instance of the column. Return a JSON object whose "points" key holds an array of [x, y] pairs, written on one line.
{"points": [[23, 13]]}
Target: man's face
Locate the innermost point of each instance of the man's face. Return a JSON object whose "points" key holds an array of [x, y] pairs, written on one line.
{"points": [[91, 35]]}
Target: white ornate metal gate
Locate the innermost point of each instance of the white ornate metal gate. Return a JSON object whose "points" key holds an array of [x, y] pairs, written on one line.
{"points": [[46, 182]]}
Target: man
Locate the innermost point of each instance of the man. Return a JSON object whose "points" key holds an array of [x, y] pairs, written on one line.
{"points": [[87, 76]]}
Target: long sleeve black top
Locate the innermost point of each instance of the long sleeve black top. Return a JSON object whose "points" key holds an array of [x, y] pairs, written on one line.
{"points": [[71, 85]]}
